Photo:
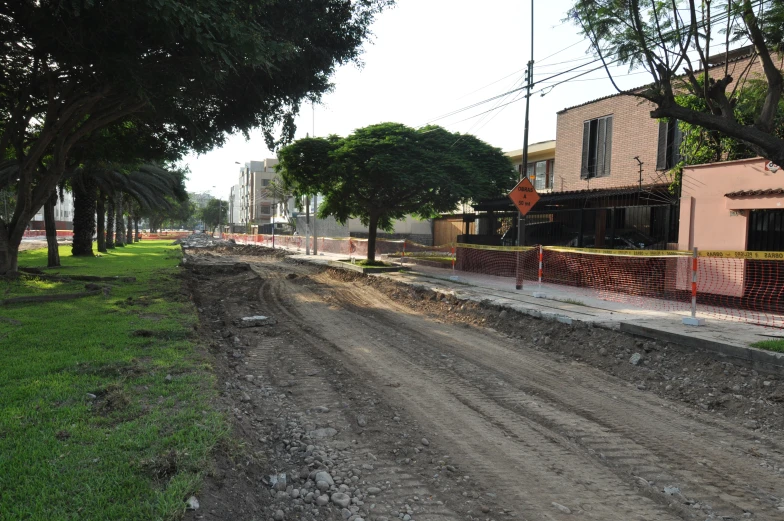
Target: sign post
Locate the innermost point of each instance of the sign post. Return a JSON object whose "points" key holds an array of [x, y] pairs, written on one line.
{"points": [[524, 197]]}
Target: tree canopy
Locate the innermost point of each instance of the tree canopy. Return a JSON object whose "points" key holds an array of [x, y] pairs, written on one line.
{"points": [[214, 213], [189, 72], [684, 45], [387, 171]]}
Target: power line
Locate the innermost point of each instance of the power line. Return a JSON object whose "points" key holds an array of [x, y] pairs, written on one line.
{"points": [[493, 83], [717, 18]]}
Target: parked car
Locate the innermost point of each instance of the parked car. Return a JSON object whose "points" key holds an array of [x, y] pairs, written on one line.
{"points": [[624, 240], [546, 234]]}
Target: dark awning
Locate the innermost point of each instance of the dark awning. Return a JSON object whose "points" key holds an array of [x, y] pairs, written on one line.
{"points": [[505, 204]]}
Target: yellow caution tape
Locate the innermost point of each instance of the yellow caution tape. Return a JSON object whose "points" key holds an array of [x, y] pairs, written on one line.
{"points": [[494, 248], [620, 253], [753, 255]]}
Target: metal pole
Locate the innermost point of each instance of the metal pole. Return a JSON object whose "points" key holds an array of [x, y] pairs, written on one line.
{"points": [[693, 320], [307, 225], [315, 221], [540, 294], [220, 228], [315, 197], [524, 169]]}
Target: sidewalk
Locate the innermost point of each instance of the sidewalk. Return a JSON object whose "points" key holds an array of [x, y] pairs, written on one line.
{"points": [[725, 338]]}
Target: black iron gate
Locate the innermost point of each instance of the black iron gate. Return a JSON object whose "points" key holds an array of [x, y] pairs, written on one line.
{"points": [[766, 230]]}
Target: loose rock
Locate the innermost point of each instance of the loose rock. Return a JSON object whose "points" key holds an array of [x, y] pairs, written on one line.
{"points": [[341, 499], [326, 432]]}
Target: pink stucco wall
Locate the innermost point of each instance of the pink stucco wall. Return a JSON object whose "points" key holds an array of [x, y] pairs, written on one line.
{"points": [[711, 221]]}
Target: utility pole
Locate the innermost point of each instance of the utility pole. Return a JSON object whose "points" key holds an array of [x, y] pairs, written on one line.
{"points": [[529, 80], [307, 225], [315, 196]]}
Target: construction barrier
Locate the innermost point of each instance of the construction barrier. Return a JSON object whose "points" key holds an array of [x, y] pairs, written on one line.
{"points": [[746, 286], [42, 233], [163, 235]]}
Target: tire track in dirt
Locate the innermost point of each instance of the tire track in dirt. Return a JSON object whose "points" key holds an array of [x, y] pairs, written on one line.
{"points": [[699, 462], [705, 448], [401, 485], [542, 472]]}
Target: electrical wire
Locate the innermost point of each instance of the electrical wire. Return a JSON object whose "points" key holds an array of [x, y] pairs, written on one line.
{"points": [[717, 18]]}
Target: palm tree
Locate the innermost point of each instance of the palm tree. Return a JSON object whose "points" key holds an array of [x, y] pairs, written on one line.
{"points": [[130, 188]]}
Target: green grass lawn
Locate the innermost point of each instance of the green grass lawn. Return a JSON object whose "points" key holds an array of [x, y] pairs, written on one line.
{"points": [[136, 450], [770, 345]]}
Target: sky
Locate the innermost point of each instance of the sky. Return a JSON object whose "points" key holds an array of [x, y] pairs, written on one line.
{"points": [[428, 58]]}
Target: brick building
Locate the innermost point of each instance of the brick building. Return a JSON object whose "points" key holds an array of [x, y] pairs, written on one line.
{"points": [[608, 184], [600, 141]]}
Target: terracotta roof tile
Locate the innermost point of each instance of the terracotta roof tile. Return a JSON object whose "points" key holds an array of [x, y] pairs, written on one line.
{"points": [[750, 193]]}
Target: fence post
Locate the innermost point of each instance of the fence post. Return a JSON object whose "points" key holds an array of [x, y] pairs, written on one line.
{"points": [[539, 293], [454, 258], [693, 320]]}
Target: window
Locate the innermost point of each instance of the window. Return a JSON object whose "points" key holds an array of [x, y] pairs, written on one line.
{"points": [[597, 147], [265, 182], [541, 174], [668, 151]]}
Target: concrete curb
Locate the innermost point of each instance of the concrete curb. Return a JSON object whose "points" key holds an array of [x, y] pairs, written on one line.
{"points": [[751, 357], [369, 270]]}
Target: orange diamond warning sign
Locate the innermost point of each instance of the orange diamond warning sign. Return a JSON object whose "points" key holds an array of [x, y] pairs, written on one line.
{"points": [[524, 196]]}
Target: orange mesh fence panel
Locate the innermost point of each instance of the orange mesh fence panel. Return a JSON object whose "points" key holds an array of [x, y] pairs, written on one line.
{"points": [[643, 278], [742, 286], [161, 235], [519, 263], [42, 233]]}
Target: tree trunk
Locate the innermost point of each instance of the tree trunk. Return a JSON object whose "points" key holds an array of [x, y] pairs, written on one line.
{"points": [[51, 231], [137, 237], [110, 223], [372, 231], [119, 236], [100, 210], [129, 228], [85, 195]]}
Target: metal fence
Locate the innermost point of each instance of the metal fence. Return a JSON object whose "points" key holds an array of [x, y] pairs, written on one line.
{"points": [[620, 227]]}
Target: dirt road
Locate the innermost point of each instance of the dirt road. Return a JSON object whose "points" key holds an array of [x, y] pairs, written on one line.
{"points": [[423, 415]]}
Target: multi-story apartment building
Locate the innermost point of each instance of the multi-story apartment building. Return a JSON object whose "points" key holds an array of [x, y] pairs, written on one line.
{"points": [[255, 201], [235, 209]]}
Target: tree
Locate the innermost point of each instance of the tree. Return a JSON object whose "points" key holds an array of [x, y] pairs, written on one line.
{"points": [[673, 42], [195, 72], [144, 185], [214, 213], [180, 214], [388, 171]]}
